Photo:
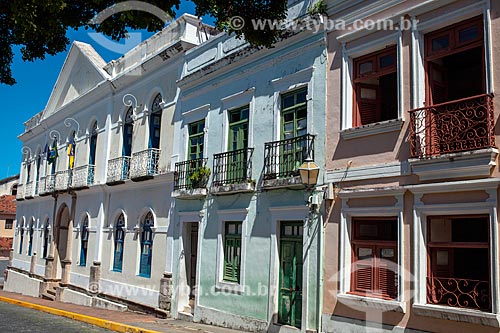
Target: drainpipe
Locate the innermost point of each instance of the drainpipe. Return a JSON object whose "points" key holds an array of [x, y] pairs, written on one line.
{"points": [[321, 251]]}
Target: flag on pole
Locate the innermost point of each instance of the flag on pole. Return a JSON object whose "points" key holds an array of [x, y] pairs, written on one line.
{"points": [[53, 154], [71, 152]]}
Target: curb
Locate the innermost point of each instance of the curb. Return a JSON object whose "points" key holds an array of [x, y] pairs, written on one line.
{"points": [[110, 325]]}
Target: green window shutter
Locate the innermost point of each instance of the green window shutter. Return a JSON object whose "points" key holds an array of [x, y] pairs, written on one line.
{"points": [[232, 252], [196, 138]]}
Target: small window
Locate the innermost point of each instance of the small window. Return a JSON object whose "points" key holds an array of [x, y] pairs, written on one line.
{"points": [[155, 123], [9, 223], [30, 241], [375, 87], [119, 240], [84, 242], [375, 271], [45, 249], [294, 114], [146, 246], [232, 251], [196, 139]]}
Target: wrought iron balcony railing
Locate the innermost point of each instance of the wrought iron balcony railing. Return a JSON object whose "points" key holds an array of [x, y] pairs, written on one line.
{"points": [[82, 176], [41, 186], [283, 158], [461, 125], [459, 293], [50, 183], [62, 180], [184, 171], [144, 164], [233, 167], [118, 169], [20, 192], [28, 192]]}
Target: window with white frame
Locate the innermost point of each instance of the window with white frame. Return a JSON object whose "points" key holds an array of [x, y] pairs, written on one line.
{"points": [[374, 257], [232, 251], [375, 87]]}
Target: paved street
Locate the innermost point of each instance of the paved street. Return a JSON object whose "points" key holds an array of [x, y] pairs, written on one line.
{"points": [[15, 318]]}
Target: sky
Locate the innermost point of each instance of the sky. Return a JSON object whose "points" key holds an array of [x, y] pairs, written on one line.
{"points": [[35, 81]]}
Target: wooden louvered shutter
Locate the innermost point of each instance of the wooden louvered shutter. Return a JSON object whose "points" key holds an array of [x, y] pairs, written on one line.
{"points": [[387, 272], [364, 269], [368, 104], [438, 84]]}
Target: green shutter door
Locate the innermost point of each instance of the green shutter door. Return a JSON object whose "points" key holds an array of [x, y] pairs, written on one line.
{"points": [[293, 125], [290, 279], [238, 139]]}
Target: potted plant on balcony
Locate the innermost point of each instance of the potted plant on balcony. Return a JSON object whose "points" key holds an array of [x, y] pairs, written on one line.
{"points": [[199, 177]]}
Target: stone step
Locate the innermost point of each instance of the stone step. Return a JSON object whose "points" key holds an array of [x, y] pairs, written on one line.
{"points": [[51, 292], [186, 316], [49, 297]]}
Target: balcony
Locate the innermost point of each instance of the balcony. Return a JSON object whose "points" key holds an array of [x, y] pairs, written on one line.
{"points": [[144, 164], [233, 172], [28, 192], [453, 139], [20, 192], [62, 180], [191, 178], [82, 177], [459, 293], [283, 158], [118, 170]]}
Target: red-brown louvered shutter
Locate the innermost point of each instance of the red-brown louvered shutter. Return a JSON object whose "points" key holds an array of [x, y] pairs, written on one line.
{"points": [[363, 269], [387, 272], [438, 84], [368, 104]]}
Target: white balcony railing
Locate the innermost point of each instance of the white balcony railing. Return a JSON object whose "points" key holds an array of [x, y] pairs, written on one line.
{"points": [[145, 163], [62, 180], [20, 192], [83, 176], [50, 183], [28, 192], [41, 186], [118, 169]]}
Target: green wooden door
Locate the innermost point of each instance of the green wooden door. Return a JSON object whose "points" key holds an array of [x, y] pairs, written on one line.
{"points": [[238, 139], [290, 279]]}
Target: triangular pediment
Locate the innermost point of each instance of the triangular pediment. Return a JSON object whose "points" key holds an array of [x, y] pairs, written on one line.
{"points": [[82, 70]]}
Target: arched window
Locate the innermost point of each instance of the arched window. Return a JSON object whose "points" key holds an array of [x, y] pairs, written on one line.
{"points": [[21, 237], [28, 171], [128, 131], [46, 231], [14, 190], [84, 241], [119, 240], [155, 123], [38, 171], [93, 144], [30, 235], [146, 246]]}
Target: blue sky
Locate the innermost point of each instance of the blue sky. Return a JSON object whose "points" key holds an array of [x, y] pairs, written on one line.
{"points": [[34, 85]]}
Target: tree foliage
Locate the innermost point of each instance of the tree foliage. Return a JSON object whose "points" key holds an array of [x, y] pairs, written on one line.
{"points": [[39, 27]]}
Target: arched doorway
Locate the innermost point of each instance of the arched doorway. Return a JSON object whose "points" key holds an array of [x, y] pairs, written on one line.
{"points": [[62, 239]]}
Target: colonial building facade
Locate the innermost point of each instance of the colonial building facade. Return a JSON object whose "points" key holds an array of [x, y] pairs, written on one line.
{"points": [[412, 243]]}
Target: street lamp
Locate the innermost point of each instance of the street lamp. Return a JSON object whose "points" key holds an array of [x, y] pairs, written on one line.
{"points": [[309, 172]]}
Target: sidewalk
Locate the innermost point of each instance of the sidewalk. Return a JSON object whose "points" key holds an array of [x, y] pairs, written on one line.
{"points": [[113, 320]]}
